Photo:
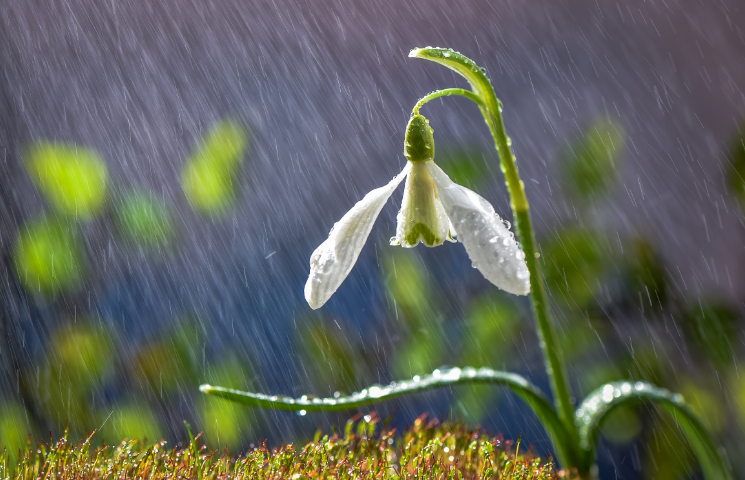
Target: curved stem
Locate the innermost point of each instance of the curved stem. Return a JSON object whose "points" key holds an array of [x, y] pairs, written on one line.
{"points": [[598, 404], [446, 93], [491, 109]]}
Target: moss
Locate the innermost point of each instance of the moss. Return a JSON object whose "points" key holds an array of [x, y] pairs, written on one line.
{"points": [[365, 450]]}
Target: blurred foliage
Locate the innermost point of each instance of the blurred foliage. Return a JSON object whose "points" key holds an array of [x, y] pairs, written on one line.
{"points": [[646, 363], [491, 325], [669, 457], [590, 163], [144, 220], [131, 421], [226, 423], [48, 257], [622, 425], [412, 297], [735, 174], [582, 334], [207, 177], [704, 403], [575, 260], [73, 178], [467, 167], [711, 326], [14, 429], [171, 363], [81, 360], [408, 288], [330, 355], [646, 278]]}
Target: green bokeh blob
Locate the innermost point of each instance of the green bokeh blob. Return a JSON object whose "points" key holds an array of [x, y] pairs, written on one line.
{"points": [[736, 171], [207, 177], [73, 178], [705, 404], [131, 421], [48, 257], [590, 163], [330, 357], [223, 146], [622, 425], [574, 260], [226, 423], [468, 167], [14, 429], [492, 322], [647, 281], [80, 361], [144, 220], [712, 326], [85, 354], [408, 287]]}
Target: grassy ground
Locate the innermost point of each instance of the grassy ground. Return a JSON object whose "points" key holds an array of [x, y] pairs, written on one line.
{"points": [[427, 450]]}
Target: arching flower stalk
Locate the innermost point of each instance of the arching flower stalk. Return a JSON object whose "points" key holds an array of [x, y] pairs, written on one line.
{"points": [[434, 210]]}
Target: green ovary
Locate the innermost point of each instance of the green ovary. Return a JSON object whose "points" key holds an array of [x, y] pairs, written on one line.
{"points": [[422, 217]]}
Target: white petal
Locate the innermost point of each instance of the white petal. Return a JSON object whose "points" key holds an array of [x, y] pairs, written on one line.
{"points": [[490, 245], [332, 261]]}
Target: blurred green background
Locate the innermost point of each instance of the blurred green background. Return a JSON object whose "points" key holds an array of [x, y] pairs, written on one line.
{"points": [[610, 296]]}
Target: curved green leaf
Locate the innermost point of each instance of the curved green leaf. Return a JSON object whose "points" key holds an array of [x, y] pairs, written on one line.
{"points": [[461, 64], [439, 378], [595, 407]]}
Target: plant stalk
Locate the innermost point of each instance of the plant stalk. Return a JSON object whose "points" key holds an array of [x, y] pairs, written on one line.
{"points": [[491, 109]]}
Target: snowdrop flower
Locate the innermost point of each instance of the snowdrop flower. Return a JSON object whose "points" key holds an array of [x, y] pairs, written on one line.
{"points": [[434, 209]]}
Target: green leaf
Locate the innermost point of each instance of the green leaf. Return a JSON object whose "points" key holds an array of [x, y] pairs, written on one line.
{"points": [[591, 162], [597, 405], [73, 178], [461, 64], [538, 402]]}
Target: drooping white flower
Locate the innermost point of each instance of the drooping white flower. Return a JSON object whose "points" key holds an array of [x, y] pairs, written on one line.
{"points": [[434, 209]]}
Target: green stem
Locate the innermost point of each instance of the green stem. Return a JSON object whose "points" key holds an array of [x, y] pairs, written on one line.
{"points": [[491, 109], [446, 93]]}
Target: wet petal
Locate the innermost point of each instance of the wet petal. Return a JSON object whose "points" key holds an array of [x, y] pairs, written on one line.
{"points": [[332, 261], [490, 245]]}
